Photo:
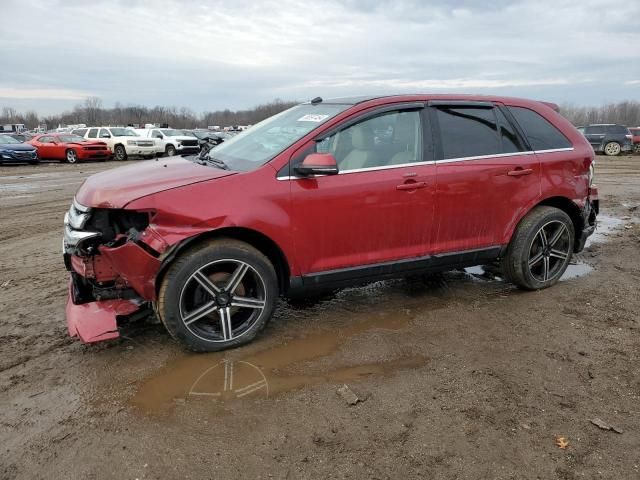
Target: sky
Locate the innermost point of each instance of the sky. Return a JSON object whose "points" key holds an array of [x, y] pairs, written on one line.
{"points": [[208, 55]]}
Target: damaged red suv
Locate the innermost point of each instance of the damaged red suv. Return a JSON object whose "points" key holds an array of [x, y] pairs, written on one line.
{"points": [[325, 195]]}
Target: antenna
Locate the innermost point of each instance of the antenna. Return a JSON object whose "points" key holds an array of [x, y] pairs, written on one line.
{"points": [[316, 100]]}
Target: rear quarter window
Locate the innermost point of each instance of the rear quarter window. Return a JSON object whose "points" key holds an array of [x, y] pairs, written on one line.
{"points": [[540, 133], [617, 129]]}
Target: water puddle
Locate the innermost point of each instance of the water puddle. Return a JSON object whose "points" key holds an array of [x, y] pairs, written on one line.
{"points": [[221, 377], [606, 225], [248, 372]]}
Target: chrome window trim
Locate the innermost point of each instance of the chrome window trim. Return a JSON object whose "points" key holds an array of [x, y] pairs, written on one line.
{"points": [[448, 160]]}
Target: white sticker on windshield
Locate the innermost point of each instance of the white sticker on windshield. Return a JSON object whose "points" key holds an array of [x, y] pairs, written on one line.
{"points": [[312, 118]]}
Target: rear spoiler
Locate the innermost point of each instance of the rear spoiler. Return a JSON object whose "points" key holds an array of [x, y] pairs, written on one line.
{"points": [[553, 106]]}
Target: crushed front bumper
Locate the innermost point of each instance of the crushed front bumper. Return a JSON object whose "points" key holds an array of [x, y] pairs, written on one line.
{"points": [[96, 321]]}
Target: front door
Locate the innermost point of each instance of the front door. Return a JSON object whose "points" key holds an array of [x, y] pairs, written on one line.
{"points": [[379, 207]]}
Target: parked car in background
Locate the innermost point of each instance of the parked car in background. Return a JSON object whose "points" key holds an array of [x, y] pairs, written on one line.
{"points": [[15, 151], [308, 201], [609, 138], [635, 138], [123, 142], [69, 148], [170, 141], [21, 137], [208, 139]]}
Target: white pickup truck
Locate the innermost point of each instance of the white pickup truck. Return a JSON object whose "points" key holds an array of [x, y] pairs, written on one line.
{"points": [[170, 142], [123, 142]]}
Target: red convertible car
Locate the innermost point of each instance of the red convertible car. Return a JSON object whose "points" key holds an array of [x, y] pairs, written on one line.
{"points": [[69, 148]]}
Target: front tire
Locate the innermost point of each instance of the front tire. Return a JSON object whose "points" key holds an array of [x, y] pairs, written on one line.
{"points": [[119, 153], [612, 149], [218, 296], [540, 249], [71, 156], [170, 151]]}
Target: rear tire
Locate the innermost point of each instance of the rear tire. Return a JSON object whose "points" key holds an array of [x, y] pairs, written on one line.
{"points": [[204, 308], [540, 249], [612, 149]]}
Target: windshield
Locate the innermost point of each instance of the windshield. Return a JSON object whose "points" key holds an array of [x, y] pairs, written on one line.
{"points": [[173, 133], [187, 133], [123, 132], [4, 139], [260, 143], [71, 138]]}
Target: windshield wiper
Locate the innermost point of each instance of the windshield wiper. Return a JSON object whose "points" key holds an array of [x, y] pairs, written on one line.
{"points": [[217, 162]]}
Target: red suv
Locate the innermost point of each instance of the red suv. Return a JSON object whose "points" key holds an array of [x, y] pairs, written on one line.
{"points": [[327, 194], [635, 132]]}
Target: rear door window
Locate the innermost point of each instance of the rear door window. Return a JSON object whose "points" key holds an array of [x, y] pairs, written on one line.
{"points": [[468, 132], [511, 141], [93, 133], [542, 135]]}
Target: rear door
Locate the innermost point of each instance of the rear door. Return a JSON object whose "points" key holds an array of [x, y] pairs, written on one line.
{"points": [[379, 208], [595, 135], [485, 171]]}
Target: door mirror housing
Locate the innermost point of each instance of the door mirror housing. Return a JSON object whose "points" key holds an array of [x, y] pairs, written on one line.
{"points": [[317, 164]]}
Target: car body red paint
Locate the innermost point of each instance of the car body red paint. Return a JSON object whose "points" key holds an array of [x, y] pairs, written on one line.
{"points": [[336, 223], [55, 146]]}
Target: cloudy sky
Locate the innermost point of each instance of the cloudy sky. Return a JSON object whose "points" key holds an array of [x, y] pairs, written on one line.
{"points": [[212, 54]]}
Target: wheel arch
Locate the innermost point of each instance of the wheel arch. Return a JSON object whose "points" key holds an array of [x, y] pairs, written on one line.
{"points": [[561, 203], [256, 239]]}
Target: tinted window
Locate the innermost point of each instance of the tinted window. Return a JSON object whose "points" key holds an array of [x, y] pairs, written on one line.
{"points": [[509, 138], [468, 132], [389, 139], [46, 139], [80, 131], [618, 129], [540, 133], [93, 133], [104, 133]]}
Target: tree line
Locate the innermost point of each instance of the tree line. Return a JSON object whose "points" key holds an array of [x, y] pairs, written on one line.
{"points": [[624, 113], [92, 112]]}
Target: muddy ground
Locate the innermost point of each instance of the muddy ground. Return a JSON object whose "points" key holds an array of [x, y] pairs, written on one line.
{"points": [[464, 377]]}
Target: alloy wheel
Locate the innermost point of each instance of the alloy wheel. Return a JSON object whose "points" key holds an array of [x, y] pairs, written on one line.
{"points": [[120, 153], [549, 251], [72, 156], [612, 149], [222, 300]]}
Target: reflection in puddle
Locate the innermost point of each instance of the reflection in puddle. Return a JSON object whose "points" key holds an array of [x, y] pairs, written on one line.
{"points": [[217, 377]]}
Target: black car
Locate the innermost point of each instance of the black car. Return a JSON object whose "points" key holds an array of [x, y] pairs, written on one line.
{"points": [[14, 151], [209, 138], [610, 139], [21, 137]]}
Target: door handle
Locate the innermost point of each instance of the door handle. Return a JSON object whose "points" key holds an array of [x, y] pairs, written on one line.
{"points": [[411, 185], [518, 172]]}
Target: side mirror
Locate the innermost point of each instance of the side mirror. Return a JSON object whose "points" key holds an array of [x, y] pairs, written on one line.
{"points": [[317, 164], [105, 135]]}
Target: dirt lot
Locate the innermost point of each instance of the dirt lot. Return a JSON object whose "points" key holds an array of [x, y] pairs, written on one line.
{"points": [[463, 378]]}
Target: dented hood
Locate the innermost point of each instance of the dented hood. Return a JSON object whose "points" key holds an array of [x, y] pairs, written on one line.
{"points": [[115, 188]]}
